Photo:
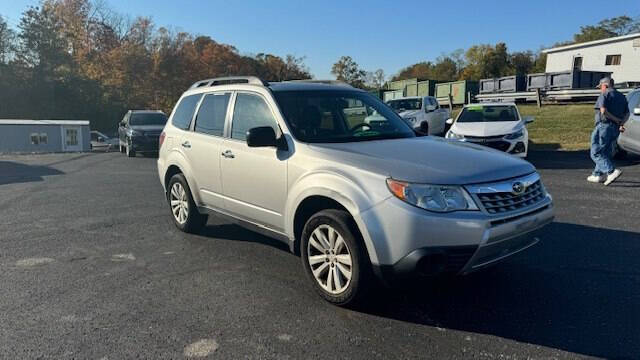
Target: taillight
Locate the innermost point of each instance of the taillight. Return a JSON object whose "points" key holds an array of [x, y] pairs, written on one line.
{"points": [[161, 140]]}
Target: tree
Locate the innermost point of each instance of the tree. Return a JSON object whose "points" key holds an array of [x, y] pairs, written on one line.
{"points": [[375, 79], [7, 41], [521, 62], [616, 26], [348, 71]]}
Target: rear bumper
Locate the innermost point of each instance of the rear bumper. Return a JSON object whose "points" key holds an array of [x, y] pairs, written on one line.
{"points": [[144, 144]]}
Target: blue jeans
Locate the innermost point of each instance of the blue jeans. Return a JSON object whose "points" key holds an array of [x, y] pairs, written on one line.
{"points": [[602, 139]]}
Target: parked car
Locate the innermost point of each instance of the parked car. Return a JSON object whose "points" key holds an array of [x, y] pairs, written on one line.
{"points": [[354, 200], [416, 110], [102, 142], [496, 125], [139, 131], [629, 141]]}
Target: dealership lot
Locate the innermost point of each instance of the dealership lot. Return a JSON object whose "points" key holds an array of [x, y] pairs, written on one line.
{"points": [[92, 267]]}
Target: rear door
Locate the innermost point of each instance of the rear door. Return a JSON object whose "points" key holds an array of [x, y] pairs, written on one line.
{"points": [[630, 139], [203, 147], [254, 180]]}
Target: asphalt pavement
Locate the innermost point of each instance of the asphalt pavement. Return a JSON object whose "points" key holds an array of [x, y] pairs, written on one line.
{"points": [[91, 267]]}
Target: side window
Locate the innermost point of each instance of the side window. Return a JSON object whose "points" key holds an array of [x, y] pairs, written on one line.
{"points": [[250, 111], [211, 115], [184, 112]]}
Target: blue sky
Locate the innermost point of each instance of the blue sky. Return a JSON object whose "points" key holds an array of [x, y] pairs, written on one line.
{"points": [[376, 34]]}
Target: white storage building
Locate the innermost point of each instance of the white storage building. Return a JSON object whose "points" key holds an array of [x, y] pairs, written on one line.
{"points": [[39, 136], [618, 55]]}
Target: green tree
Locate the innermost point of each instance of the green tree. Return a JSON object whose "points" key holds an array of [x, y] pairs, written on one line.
{"points": [[7, 41], [347, 70], [521, 62]]}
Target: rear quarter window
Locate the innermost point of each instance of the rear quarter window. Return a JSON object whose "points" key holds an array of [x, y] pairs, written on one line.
{"points": [[184, 111]]}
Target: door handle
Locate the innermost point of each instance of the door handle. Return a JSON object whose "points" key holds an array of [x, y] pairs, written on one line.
{"points": [[186, 144], [228, 154]]}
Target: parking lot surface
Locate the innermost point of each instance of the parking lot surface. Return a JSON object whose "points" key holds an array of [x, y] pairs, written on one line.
{"points": [[93, 268]]}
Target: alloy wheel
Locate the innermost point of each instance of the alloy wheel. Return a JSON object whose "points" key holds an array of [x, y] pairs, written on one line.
{"points": [[330, 259], [179, 203]]}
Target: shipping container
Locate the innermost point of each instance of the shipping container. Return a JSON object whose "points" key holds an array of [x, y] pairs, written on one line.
{"points": [[565, 80], [401, 84], [514, 83], [458, 90], [394, 94], [411, 90]]}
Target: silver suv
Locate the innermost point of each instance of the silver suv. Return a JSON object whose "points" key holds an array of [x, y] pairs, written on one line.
{"points": [[357, 200]]}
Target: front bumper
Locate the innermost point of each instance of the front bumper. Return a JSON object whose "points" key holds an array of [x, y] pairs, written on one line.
{"points": [[410, 241]]}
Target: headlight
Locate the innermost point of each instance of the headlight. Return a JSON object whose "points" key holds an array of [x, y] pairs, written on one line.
{"points": [[516, 135], [438, 198], [410, 120], [452, 135]]}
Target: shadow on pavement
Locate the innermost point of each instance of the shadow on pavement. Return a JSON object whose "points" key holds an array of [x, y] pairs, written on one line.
{"points": [[14, 172], [578, 290], [571, 160]]}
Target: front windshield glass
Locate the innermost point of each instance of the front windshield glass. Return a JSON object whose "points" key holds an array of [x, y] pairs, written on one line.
{"points": [[405, 104], [148, 119], [326, 116], [479, 113]]}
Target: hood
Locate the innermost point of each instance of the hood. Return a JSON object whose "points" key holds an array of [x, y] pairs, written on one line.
{"points": [[153, 128], [495, 128], [409, 113], [428, 160]]}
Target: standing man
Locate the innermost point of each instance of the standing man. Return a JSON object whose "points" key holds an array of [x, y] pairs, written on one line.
{"points": [[611, 112]]}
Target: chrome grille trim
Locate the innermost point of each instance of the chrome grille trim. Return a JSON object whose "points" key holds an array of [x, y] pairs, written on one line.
{"points": [[499, 198]]}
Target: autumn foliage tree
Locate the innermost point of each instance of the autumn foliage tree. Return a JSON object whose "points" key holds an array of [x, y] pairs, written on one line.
{"points": [[78, 59]]}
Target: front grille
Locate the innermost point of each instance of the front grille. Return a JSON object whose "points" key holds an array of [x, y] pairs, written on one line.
{"points": [[502, 202], [483, 138], [498, 145]]}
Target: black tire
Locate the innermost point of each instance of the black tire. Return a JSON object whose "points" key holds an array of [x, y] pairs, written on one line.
{"points": [[361, 273], [194, 220], [618, 153], [130, 152]]}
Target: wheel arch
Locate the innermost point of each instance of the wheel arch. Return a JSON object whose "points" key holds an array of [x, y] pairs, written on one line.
{"points": [[176, 163]]}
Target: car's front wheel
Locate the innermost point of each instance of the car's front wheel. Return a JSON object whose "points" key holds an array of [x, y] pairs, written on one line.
{"points": [[184, 211], [334, 257]]}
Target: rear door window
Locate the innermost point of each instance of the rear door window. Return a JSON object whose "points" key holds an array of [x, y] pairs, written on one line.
{"points": [[184, 112], [212, 114]]}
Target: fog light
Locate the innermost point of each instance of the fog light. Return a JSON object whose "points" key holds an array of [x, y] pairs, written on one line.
{"points": [[519, 148]]}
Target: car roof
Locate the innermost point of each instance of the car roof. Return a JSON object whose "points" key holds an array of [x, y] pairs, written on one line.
{"points": [[492, 104], [411, 98], [146, 111], [308, 86]]}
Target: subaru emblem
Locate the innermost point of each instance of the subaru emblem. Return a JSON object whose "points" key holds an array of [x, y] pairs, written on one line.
{"points": [[518, 188]]}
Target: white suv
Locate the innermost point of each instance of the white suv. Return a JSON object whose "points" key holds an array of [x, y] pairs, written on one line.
{"points": [[297, 161]]}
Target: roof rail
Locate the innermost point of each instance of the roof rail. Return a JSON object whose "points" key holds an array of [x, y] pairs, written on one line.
{"points": [[330, 82], [253, 80]]}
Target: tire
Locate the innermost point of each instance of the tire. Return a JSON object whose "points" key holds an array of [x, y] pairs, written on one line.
{"points": [[185, 214], [130, 153], [347, 285], [618, 153]]}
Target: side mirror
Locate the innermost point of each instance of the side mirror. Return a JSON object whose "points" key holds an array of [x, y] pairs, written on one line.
{"points": [[423, 129], [449, 121], [262, 136], [528, 119], [636, 111]]}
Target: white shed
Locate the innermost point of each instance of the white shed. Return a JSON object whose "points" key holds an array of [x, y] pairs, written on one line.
{"points": [[38, 136], [618, 55]]}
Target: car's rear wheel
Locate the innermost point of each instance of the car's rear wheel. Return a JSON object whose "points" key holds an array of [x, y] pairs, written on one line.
{"points": [[334, 257], [183, 209]]}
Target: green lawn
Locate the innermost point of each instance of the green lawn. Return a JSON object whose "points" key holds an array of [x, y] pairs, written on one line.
{"points": [[566, 127]]}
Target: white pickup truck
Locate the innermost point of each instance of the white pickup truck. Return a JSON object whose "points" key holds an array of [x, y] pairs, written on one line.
{"points": [[416, 110]]}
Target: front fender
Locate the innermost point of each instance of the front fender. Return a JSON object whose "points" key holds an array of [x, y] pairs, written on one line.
{"points": [[345, 190]]}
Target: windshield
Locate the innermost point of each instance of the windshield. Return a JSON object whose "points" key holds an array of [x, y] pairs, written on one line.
{"points": [[481, 113], [323, 116], [148, 119], [405, 104]]}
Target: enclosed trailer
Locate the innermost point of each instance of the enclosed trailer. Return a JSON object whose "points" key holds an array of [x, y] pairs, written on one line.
{"points": [[43, 136], [565, 80]]}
